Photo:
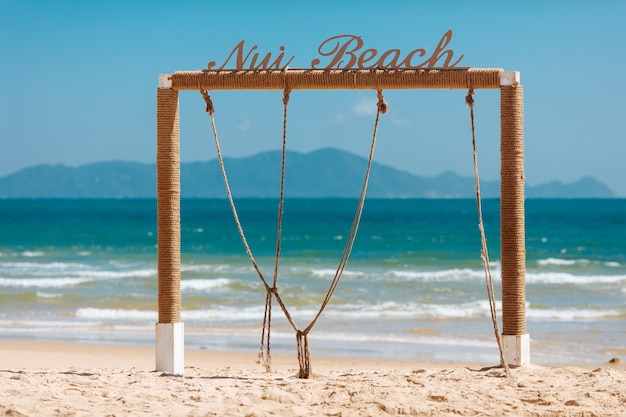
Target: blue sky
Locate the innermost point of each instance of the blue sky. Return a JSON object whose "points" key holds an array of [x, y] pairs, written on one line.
{"points": [[80, 80]]}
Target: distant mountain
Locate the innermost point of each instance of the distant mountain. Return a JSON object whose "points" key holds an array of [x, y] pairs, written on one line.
{"points": [[99, 180], [583, 188], [322, 173]]}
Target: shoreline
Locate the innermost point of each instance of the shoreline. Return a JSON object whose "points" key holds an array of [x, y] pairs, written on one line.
{"points": [[41, 378], [31, 354], [202, 353], [143, 355]]}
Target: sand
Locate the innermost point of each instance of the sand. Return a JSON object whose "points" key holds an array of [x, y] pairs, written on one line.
{"points": [[65, 379]]}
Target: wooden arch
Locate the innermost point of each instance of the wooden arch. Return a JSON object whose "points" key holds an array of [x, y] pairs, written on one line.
{"points": [[170, 329]]}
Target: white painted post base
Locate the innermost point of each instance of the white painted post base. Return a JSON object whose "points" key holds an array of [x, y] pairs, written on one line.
{"points": [[170, 348], [516, 349]]}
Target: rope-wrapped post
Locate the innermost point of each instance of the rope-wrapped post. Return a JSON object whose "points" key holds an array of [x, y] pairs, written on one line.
{"points": [[512, 230], [169, 329]]}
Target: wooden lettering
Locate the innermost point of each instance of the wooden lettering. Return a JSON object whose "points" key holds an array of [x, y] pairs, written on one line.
{"points": [[339, 52], [366, 56], [344, 53], [240, 60], [407, 61], [277, 62], [439, 52], [394, 60]]}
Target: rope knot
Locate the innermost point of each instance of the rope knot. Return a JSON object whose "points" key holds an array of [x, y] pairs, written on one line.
{"points": [[382, 106], [209, 103], [304, 355], [286, 93], [469, 98]]}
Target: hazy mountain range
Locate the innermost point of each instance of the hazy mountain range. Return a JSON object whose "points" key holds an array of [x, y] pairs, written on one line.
{"points": [[322, 173]]}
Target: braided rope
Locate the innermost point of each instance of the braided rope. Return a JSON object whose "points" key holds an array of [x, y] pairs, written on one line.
{"points": [[484, 252], [264, 356], [301, 336], [281, 199], [211, 110], [382, 108], [304, 355]]}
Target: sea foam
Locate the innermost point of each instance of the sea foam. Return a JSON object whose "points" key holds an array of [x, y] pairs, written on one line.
{"points": [[204, 284], [115, 314], [565, 278], [32, 254], [446, 275], [571, 314], [561, 262], [71, 270], [42, 282]]}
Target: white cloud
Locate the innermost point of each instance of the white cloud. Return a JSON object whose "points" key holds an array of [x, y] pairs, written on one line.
{"points": [[404, 123], [365, 107], [340, 118], [244, 124]]}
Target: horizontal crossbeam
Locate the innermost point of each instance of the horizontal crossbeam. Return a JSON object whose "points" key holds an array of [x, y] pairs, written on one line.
{"points": [[308, 79]]}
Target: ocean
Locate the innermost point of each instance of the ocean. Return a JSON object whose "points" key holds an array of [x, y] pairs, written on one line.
{"points": [[414, 288]]}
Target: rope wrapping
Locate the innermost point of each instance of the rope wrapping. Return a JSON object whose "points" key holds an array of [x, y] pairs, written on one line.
{"points": [[307, 79], [512, 211], [168, 206]]}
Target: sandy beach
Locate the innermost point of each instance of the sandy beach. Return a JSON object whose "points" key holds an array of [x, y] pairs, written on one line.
{"points": [[61, 379]]}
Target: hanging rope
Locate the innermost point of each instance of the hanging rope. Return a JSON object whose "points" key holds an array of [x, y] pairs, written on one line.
{"points": [[484, 253], [265, 356], [382, 109], [272, 291], [211, 110], [302, 341]]}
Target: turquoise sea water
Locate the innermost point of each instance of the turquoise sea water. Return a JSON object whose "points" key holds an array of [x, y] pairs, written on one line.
{"points": [[85, 270]]}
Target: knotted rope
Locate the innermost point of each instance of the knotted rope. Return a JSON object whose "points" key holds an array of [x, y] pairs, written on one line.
{"points": [[484, 253], [304, 355], [301, 337], [265, 356], [272, 291]]}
